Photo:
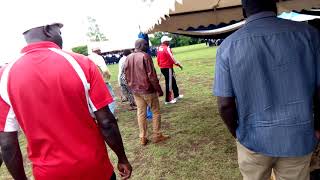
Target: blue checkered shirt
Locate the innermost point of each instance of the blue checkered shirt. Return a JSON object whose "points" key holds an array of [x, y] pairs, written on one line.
{"points": [[271, 66]]}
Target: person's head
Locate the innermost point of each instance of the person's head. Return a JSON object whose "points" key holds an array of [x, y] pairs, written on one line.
{"points": [[166, 40], [141, 45], [50, 33], [96, 50], [251, 7], [126, 52]]}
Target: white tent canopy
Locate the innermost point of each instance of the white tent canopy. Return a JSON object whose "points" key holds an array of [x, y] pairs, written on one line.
{"points": [[226, 29], [109, 46], [206, 12], [298, 17], [233, 27], [119, 20]]}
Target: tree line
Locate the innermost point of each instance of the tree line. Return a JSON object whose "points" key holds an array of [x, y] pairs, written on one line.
{"points": [[94, 34], [177, 40]]}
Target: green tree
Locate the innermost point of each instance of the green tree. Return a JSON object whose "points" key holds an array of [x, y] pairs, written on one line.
{"points": [[81, 50], [94, 32], [177, 40], [156, 40]]}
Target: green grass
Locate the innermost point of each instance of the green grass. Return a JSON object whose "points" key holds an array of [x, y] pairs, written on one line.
{"points": [[200, 146]]}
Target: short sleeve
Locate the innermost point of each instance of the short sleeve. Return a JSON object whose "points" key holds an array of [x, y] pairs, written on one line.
{"points": [[170, 54], [99, 61], [98, 93], [103, 66], [222, 81], [8, 121]]}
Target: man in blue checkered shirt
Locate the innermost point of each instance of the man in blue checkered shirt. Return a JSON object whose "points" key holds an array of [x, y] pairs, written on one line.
{"points": [[267, 81]]}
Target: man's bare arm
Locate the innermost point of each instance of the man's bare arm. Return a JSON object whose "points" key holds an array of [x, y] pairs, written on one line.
{"points": [[110, 130], [228, 112], [11, 154]]}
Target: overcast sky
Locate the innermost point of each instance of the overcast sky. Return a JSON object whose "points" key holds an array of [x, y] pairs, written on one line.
{"points": [[119, 20]]}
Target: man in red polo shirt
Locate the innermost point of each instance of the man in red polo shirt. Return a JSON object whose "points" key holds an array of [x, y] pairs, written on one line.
{"points": [[60, 101], [166, 62]]}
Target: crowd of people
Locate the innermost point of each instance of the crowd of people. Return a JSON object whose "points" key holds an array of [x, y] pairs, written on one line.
{"points": [[213, 42], [115, 56], [112, 58], [140, 84], [267, 82]]}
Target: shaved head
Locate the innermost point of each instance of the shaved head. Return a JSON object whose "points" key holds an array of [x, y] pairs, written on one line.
{"points": [[141, 45]]}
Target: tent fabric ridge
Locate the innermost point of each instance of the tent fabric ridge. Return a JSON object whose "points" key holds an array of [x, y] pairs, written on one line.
{"points": [[209, 27]]}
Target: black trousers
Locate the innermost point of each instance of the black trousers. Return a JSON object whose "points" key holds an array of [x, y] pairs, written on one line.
{"points": [[113, 177], [171, 84], [315, 175]]}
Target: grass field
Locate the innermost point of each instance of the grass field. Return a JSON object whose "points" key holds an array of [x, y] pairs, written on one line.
{"points": [[200, 147]]}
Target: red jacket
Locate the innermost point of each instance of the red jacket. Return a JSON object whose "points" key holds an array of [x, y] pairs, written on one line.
{"points": [[164, 57]]}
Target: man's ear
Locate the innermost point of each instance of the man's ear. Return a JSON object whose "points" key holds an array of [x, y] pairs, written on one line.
{"points": [[46, 30]]}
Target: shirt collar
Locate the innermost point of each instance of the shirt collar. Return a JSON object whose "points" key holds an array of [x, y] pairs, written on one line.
{"points": [[138, 50], [261, 15], [37, 45]]}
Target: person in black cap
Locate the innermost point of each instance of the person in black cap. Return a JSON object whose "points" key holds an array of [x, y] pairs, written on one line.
{"points": [[60, 101], [267, 81]]}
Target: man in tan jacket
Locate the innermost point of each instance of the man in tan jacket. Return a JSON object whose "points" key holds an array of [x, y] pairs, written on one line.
{"points": [[143, 81]]}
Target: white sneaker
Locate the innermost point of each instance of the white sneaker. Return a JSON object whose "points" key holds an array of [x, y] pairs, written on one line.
{"points": [[179, 97], [173, 101]]}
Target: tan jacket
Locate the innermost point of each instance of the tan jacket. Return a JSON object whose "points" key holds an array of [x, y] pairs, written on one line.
{"points": [[140, 74]]}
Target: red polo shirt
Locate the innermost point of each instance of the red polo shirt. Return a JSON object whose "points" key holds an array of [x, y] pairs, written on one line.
{"points": [[165, 57], [50, 105]]}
